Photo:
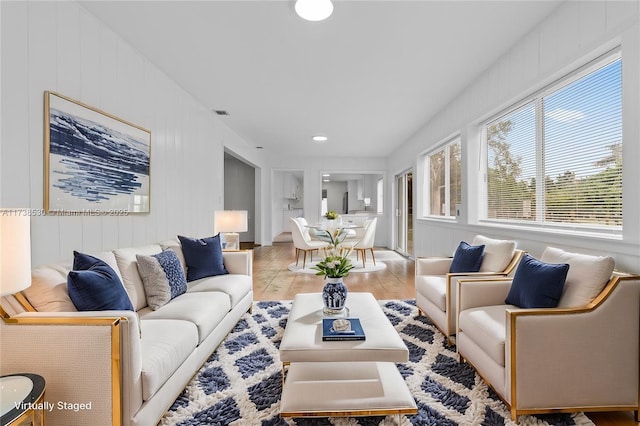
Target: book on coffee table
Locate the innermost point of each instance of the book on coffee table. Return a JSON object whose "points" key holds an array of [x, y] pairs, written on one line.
{"points": [[342, 329]]}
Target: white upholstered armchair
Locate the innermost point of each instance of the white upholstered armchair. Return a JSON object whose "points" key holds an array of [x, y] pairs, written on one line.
{"points": [[436, 286], [580, 356]]}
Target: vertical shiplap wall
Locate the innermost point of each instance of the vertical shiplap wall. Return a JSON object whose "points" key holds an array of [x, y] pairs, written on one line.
{"points": [[59, 46], [575, 32]]}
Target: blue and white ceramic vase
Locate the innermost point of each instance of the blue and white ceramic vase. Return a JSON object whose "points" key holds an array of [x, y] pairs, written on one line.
{"points": [[334, 296]]}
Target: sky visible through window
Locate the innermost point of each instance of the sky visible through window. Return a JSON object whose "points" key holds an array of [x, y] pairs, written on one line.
{"points": [[583, 118]]}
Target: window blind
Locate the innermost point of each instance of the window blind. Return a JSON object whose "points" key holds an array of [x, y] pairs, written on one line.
{"points": [[558, 157]]}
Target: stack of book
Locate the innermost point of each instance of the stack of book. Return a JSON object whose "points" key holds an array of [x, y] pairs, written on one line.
{"points": [[342, 329]]}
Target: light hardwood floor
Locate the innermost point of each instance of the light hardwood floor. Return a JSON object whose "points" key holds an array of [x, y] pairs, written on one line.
{"points": [[273, 281]]}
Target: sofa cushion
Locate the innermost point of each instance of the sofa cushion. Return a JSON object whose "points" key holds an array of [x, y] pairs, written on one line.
{"points": [[586, 278], [467, 258], [236, 286], [128, 265], [48, 291], [94, 286], [162, 276], [203, 257], [204, 310], [486, 327], [497, 253], [165, 345], [434, 288], [537, 284]]}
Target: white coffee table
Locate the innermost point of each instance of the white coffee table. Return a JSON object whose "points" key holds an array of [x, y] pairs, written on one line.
{"points": [[343, 378]]}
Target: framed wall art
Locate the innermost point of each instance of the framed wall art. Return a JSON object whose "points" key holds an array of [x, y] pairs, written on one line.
{"points": [[95, 163]]}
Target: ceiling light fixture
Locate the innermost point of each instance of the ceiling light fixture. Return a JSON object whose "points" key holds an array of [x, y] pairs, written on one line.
{"points": [[319, 138], [314, 10]]}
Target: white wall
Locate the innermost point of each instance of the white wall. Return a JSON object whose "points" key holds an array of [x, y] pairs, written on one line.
{"points": [[59, 46], [574, 33]]}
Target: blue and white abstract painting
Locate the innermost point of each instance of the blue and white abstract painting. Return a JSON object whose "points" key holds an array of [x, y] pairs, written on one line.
{"points": [[97, 163]]}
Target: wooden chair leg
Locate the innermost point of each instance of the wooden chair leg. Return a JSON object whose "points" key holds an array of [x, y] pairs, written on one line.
{"points": [[304, 259], [297, 255], [373, 256], [364, 258]]}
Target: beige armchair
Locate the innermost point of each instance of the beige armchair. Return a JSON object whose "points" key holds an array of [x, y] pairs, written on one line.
{"points": [[436, 286], [580, 356]]}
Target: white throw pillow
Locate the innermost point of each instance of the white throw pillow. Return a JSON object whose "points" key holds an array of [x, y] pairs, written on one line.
{"points": [[586, 278], [497, 253], [48, 291]]}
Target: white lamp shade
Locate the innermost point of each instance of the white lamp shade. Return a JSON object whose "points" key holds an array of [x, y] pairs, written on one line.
{"points": [[15, 252], [314, 10], [230, 221]]}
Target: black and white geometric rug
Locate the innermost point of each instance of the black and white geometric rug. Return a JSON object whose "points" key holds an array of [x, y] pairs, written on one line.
{"points": [[240, 384]]}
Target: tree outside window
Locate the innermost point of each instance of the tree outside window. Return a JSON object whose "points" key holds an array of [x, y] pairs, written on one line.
{"points": [[445, 187]]}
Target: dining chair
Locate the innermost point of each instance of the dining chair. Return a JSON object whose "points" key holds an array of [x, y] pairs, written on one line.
{"points": [[365, 243], [303, 243]]}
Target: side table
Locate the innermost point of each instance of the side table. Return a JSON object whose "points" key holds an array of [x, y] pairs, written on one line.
{"points": [[22, 399]]}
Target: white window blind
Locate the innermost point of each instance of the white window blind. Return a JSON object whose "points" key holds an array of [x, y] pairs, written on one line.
{"points": [[557, 159]]}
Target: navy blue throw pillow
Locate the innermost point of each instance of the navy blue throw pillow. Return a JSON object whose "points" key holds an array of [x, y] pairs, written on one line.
{"points": [[467, 258], [203, 257], [537, 284], [94, 286]]}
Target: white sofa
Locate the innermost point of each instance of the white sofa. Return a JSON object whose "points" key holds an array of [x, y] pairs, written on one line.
{"points": [[120, 367]]}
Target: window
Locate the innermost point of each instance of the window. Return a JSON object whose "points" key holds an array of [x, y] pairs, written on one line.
{"points": [[557, 158], [444, 179]]}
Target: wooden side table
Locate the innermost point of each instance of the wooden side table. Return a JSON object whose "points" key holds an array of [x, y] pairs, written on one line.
{"points": [[22, 399]]}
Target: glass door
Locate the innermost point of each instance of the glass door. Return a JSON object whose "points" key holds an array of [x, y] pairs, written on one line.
{"points": [[404, 213]]}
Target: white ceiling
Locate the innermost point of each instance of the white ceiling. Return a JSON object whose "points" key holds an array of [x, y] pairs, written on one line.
{"points": [[368, 77]]}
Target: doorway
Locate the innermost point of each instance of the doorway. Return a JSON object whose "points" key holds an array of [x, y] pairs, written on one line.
{"points": [[404, 213], [240, 193]]}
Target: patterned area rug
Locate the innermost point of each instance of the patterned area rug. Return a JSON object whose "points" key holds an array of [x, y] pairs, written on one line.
{"points": [[240, 384]]}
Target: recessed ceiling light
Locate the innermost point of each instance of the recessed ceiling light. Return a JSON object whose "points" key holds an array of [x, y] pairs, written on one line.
{"points": [[326, 180], [319, 138], [314, 10], [326, 175]]}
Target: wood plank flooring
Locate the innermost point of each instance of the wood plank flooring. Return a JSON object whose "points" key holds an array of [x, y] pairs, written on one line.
{"points": [[273, 281]]}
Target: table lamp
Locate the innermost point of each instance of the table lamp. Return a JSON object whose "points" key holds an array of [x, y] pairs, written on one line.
{"points": [[15, 252], [229, 223]]}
